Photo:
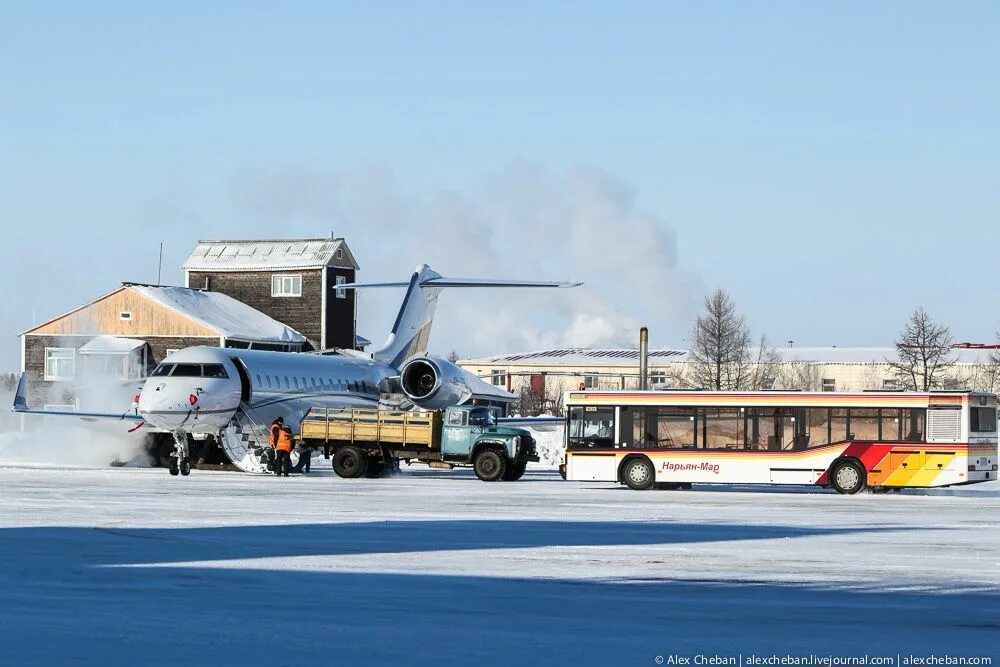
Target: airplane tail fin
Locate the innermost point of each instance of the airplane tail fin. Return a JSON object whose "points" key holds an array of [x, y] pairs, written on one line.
{"points": [[412, 328]]}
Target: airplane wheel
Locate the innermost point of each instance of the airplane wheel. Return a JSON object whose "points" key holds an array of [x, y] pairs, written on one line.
{"points": [[174, 469], [185, 468]]}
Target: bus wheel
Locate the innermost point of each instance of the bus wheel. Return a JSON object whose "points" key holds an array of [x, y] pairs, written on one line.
{"points": [[848, 477], [514, 472], [489, 465], [349, 463], [638, 474]]}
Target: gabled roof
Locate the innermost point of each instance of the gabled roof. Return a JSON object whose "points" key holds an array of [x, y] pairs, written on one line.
{"points": [[270, 255], [219, 312]]}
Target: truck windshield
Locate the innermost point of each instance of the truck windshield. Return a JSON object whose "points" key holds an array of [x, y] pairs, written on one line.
{"points": [[481, 418]]}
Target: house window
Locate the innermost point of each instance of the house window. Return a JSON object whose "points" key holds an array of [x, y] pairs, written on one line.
{"points": [[829, 384], [341, 292], [590, 381], [340, 253], [498, 378], [659, 379], [890, 385], [125, 315], [767, 383], [60, 363], [286, 285]]}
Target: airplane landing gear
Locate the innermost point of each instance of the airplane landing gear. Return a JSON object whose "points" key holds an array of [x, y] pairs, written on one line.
{"points": [[179, 458]]}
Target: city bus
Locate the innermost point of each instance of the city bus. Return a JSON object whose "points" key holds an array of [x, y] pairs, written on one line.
{"points": [[847, 441]]}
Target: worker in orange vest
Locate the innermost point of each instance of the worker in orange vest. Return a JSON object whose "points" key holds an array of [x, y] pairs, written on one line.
{"points": [[283, 450], [272, 438]]}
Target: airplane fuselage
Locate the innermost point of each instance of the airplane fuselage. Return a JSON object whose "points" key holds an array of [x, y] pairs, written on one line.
{"points": [[199, 389]]}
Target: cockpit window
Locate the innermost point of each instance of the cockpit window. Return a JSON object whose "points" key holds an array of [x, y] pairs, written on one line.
{"points": [[161, 370], [186, 371], [215, 371]]}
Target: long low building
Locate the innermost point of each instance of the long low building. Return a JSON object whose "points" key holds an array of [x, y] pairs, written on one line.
{"points": [[551, 372]]}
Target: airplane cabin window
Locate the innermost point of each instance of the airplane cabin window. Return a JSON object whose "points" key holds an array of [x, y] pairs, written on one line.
{"points": [[162, 370], [186, 371]]}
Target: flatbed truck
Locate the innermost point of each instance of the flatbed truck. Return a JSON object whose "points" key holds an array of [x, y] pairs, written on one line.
{"points": [[365, 442]]}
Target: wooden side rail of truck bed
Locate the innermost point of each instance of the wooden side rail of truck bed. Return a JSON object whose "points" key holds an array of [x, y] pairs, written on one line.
{"points": [[403, 428]]}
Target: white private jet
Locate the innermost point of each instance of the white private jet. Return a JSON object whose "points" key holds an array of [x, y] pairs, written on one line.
{"points": [[232, 393]]}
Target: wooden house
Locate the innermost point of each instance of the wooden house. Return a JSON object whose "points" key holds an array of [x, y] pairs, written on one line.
{"points": [[292, 281]]}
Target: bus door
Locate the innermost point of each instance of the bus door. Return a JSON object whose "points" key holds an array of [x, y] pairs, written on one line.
{"points": [[590, 444]]}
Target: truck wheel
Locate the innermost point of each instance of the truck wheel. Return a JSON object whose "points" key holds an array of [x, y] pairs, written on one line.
{"points": [[514, 472], [638, 474], [489, 465], [350, 463], [848, 477]]}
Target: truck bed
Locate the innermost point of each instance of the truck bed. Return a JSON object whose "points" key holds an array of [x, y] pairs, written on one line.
{"points": [[404, 428]]}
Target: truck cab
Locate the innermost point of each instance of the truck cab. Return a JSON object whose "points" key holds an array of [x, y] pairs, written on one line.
{"points": [[470, 434]]}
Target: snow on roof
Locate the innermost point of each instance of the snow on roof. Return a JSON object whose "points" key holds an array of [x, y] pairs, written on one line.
{"points": [[596, 358], [110, 345], [576, 356], [269, 255], [224, 314], [865, 355]]}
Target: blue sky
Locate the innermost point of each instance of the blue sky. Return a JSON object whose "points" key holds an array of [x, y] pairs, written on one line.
{"points": [[833, 165]]}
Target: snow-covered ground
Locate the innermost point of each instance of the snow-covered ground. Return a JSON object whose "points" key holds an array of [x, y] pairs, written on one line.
{"points": [[131, 566]]}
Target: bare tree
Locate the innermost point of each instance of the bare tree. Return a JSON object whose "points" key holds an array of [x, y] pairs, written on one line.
{"points": [[722, 357], [924, 351], [531, 403], [453, 357], [801, 376]]}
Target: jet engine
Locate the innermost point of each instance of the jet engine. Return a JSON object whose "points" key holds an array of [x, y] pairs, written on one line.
{"points": [[433, 383]]}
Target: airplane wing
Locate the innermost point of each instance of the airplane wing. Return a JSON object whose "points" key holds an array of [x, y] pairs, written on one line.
{"points": [[21, 407]]}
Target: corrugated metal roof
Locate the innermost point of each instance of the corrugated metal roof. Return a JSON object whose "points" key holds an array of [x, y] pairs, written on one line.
{"points": [[582, 356], [269, 255]]}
